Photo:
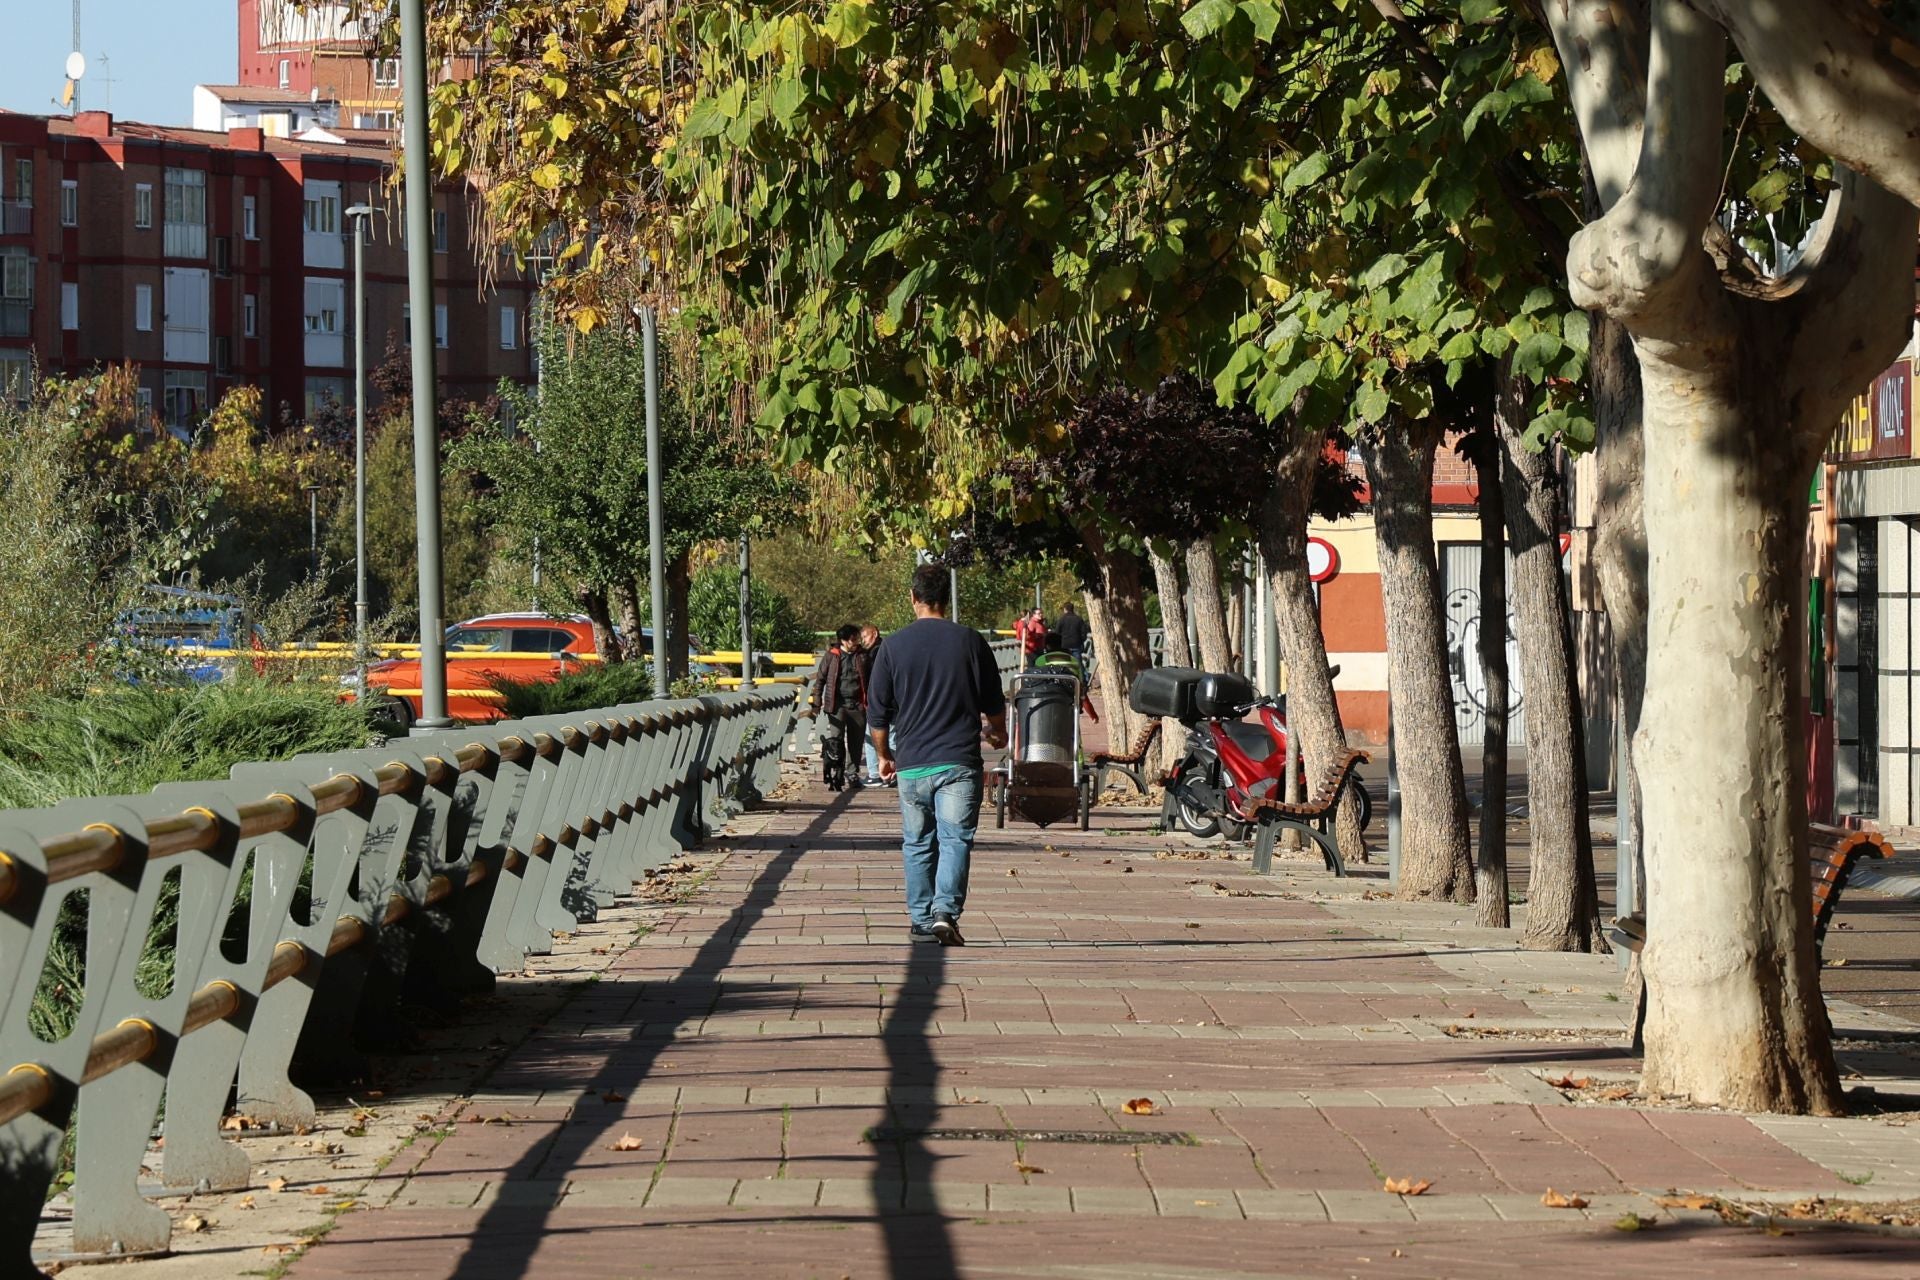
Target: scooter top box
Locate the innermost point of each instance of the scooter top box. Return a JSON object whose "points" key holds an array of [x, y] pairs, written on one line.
{"points": [[1222, 695], [1189, 695], [1165, 691]]}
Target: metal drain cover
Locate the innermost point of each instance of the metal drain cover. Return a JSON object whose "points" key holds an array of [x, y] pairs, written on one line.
{"points": [[1096, 1137]]}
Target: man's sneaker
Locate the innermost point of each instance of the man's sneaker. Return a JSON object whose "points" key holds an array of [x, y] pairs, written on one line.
{"points": [[947, 930], [917, 934]]}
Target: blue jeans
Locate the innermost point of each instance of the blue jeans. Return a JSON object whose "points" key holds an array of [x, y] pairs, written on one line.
{"points": [[945, 806], [873, 761]]}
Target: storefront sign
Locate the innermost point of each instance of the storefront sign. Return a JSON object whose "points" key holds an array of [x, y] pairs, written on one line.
{"points": [[1879, 424]]}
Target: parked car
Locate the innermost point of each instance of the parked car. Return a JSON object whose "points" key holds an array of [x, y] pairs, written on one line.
{"points": [[520, 648], [177, 618]]}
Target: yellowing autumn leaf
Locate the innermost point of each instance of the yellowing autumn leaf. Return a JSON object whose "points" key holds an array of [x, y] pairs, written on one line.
{"points": [[1138, 1106], [561, 126], [627, 1142], [1406, 1186], [276, 1184], [547, 178], [1554, 1200]]}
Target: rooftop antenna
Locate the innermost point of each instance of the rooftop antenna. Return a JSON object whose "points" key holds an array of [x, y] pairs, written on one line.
{"points": [[76, 65], [106, 83]]}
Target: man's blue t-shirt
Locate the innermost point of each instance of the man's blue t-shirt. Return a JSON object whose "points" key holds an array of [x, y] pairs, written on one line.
{"points": [[930, 685]]}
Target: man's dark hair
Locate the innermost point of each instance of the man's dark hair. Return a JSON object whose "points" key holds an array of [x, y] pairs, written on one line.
{"points": [[1067, 607], [932, 587], [848, 631]]}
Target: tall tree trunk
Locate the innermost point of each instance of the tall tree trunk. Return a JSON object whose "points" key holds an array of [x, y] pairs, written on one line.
{"points": [[1236, 618], [1435, 852], [593, 603], [1312, 710], [1176, 653], [679, 633], [1209, 605], [1620, 563], [1490, 859], [626, 597], [1117, 616], [1563, 906]]}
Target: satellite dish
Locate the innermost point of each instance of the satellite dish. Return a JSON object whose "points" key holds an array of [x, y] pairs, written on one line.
{"points": [[76, 65]]}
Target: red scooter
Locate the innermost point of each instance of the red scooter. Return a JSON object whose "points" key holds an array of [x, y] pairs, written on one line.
{"points": [[1229, 761]]}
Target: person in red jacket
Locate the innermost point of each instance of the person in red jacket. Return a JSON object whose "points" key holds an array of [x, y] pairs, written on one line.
{"points": [[840, 692]]}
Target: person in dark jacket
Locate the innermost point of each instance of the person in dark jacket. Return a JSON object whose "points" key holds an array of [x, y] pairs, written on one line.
{"points": [[1074, 633], [840, 693], [936, 694], [870, 654]]}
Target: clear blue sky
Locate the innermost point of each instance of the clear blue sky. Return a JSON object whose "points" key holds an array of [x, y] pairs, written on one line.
{"points": [[157, 50]]}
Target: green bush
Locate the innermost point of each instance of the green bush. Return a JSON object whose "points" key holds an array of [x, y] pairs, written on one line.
{"points": [[713, 610], [127, 740]]}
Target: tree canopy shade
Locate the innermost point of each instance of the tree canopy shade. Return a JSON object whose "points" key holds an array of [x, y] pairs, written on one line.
{"points": [[959, 220]]}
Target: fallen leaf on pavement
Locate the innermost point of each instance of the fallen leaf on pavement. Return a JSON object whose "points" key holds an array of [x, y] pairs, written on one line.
{"points": [[627, 1142], [245, 1202], [1126, 871], [318, 1191], [276, 1183], [1617, 1093], [1012, 872], [1138, 1106], [611, 1095], [193, 1222], [1554, 1200], [1837, 963], [1686, 1202], [1406, 1186], [1569, 1082], [1021, 1166]]}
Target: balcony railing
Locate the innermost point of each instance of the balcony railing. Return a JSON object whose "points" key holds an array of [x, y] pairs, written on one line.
{"points": [[16, 217], [16, 318]]}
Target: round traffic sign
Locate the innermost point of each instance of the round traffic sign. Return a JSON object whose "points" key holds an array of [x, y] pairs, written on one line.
{"points": [[1322, 560]]}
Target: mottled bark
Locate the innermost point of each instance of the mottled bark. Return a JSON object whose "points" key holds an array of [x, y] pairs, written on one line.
{"points": [[1117, 616], [626, 598], [1490, 857], [1563, 908], [1313, 712], [1435, 844], [593, 603], [1209, 606], [679, 632], [1742, 377], [1176, 653]]}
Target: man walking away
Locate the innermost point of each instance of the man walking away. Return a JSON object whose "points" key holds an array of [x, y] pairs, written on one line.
{"points": [[839, 689], [870, 654], [1074, 633], [935, 695]]}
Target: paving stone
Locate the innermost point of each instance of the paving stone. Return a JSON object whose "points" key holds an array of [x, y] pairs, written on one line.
{"points": [[1285, 1206], [607, 1193], [1014, 1198], [783, 1193], [1132, 1202], [1197, 1202], [679, 1191]]}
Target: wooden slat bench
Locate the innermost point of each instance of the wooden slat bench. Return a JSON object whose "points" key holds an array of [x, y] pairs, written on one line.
{"points": [[1131, 766], [1313, 819], [1831, 853]]}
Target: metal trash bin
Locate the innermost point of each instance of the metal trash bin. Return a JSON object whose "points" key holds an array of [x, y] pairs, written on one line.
{"points": [[1047, 715]]}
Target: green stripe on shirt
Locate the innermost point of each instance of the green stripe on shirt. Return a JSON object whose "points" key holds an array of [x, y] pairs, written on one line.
{"points": [[928, 770]]}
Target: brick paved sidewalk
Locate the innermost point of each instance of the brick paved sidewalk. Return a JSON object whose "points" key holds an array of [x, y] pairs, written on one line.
{"points": [[776, 1083]]}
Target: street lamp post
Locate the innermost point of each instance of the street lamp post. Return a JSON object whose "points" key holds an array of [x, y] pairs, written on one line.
{"points": [[656, 510], [358, 215], [426, 433], [746, 612]]}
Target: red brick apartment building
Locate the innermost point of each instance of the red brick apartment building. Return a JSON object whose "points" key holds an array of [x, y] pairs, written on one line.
{"points": [[321, 51], [213, 259]]}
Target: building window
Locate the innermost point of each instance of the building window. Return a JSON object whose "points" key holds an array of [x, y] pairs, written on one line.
{"points": [[223, 354], [23, 182], [406, 324], [249, 219], [509, 328], [16, 377], [286, 73], [143, 308], [69, 306], [323, 320], [16, 275], [325, 393], [439, 230], [143, 206], [143, 396], [323, 213], [186, 213], [250, 316], [385, 120], [69, 203], [223, 255], [440, 326], [386, 73], [185, 398]]}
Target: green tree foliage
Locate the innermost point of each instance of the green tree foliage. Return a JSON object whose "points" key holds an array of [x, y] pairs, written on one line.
{"points": [[393, 562]]}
